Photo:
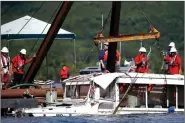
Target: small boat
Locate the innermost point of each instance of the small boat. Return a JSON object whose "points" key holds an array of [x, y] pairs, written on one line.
{"points": [[99, 94]]}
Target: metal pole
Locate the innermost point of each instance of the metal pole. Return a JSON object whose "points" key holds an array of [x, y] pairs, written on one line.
{"points": [[120, 52], [47, 66], [176, 97], [51, 93], [9, 53], [102, 26], [146, 97], [167, 100], [74, 53], [9, 48], [114, 29]]}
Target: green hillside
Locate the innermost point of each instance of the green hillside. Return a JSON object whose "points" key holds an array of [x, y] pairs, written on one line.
{"points": [[84, 19]]}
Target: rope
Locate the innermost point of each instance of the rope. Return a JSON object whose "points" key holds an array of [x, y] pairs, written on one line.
{"points": [[26, 84], [45, 27], [166, 88], [89, 54], [134, 80], [92, 49], [7, 9]]}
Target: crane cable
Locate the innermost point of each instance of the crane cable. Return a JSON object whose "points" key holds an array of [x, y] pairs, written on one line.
{"points": [[29, 20], [104, 24], [157, 43], [45, 27], [143, 13], [105, 21], [40, 36], [101, 30]]}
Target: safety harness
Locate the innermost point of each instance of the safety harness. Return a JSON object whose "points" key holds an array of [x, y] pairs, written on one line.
{"points": [[4, 62]]}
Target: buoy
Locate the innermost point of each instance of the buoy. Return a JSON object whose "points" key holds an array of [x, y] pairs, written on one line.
{"points": [[171, 110]]}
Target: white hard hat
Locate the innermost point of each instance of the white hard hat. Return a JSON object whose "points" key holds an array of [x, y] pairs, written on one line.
{"points": [[23, 51], [173, 49], [106, 44], [4, 50], [142, 49], [172, 44]]}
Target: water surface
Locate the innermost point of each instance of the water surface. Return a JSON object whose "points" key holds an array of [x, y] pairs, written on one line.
{"points": [[144, 118]]}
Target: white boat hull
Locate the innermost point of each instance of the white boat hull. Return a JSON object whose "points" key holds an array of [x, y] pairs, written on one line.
{"points": [[88, 110], [94, 105]]}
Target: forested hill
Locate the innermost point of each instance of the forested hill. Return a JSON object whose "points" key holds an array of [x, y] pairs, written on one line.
{"points": [[84, 19]]}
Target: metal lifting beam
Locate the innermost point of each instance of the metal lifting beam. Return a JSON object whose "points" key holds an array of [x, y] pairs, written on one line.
{"points": [[114, 29], [153, 34], [47, 42]]}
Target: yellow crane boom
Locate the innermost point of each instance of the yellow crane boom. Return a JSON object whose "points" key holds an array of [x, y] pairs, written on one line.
{"points": [[153, 34]]}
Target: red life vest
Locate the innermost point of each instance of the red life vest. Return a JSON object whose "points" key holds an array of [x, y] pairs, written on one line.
{"points": [[64, 73], [105, 56], [174, 67], [141, 68], [117, 55]]}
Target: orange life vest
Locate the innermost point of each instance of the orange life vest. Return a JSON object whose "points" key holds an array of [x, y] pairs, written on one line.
{"points": [[64, 73], [106, 56]]}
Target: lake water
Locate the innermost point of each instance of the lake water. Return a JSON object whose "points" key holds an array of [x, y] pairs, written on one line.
{"points": [[144, 118]]}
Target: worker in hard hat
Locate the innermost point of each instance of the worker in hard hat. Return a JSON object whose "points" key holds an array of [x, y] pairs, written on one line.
{"points": [[103, 56], [5, 65], [141, 61], [165, 66], [174, 62], [17, 65]]}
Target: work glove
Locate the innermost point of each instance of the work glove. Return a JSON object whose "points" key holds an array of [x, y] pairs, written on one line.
{"points": [[164, 53], [143, 62], [171, 63], [34, 56], [19, 66]]}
